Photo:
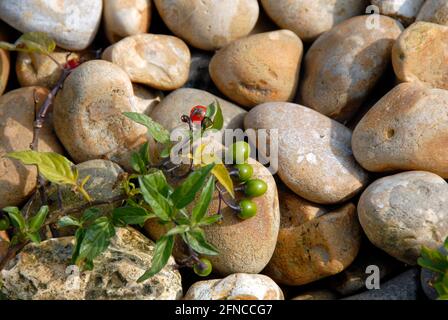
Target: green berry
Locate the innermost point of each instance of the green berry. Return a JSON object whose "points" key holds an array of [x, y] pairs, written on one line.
{"points": [[239, 152], [245, 171], [4, 224], [203, 268], [248, 209], [255, 188]]}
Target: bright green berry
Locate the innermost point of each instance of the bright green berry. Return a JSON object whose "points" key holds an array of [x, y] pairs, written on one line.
{"points": [[245, 171], [248, 209], [203, 268], [239, 152], [4, 224], [255, 188]]}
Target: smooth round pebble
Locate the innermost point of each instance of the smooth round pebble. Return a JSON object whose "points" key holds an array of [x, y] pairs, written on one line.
{"points": [[4, 69], [404, 10], [435, 11]]}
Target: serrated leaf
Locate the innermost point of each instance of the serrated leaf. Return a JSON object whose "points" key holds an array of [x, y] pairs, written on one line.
{"points": [[223, 176], [69, 221], [159, 204], [38, 42], [186, 192], [177, 230], [38, 220], [214, 112], [155, 130], [96, 239], [129, 215], [162, 253], [204, 201], [196, 240], [16, 217], [52, 166]]}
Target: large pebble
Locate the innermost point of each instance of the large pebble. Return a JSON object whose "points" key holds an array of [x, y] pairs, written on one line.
{"points": [[238, 286], [146, 98], [435, 11], [43, 272], [342, 67], [411, 59], [403, 212], [404, 10], [245, 246], [88, 114], [209, 24], [406, 130], [314, 154], [123, 18], [17, 114], [73, 24], [159, 61], [260, 68], [309, 19], [4, 61], [312, 243]]}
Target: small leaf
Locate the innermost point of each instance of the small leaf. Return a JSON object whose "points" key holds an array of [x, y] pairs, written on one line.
{"points": [[162, 253], [211, 220], [186, 192], [38, 220], [222, 174], [69, 221], [79, 237], [166, 152], [137, 163], [7, 46], [158, 181], [204, 201], [155, 130], [144, 153], [34, 237], [177, 230], [214, 112], [196, 240], [38, 42], [52, 166], [91, 214], [16, 217], [129, 215], [159, 204], [96, 239]]}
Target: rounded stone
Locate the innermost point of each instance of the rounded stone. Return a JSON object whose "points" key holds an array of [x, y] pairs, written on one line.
{"points": [[4, 68], [88, 114], [123, 18], [411, 60], [406, 130], [17, 115], [435, 11], [342, 67], [44, 272], [146, 98], [309, 19], [313, 243], [259, 68], [239, 286], [208, 24], [159, 61], [4, 244], [314, 153], [73, 24], [403, 212], [404, 10]]}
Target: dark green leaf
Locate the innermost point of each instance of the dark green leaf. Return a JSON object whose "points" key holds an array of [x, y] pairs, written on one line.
{"points": [[211, 220], [137, 163], [96, 239], [186, 192], [158, 181], [129, 215], [38, 220], [69, 221], [91, 214], [162, 253], [34, 237], [159, 204], [144, 154], [177, 230], [196, 240], [204, 201], [446, 244], [79, 237], [16, 217], [155, 130]]}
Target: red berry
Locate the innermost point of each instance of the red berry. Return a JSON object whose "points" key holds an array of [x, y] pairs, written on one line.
{"points": [[197, 113], [72, 64]]}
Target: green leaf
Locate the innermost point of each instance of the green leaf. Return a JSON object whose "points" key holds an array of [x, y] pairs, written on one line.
{"points": [[79, 237], [185, 193], [204, 201], [160, 205], [96, 239], [16, 217], [155, 130], [38, 42], [214, 112], [129, 215], [34, 237], [196, 240], [166, 152], [222, 174], [52, 166], [177, 230], [158, 181], [162, 253], [91, 214], [38, 220], [137, 163], [446, 244], [69, 221], [210, 220]]}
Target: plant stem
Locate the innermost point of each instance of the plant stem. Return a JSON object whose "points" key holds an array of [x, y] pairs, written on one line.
{"points": [[233, 206]]}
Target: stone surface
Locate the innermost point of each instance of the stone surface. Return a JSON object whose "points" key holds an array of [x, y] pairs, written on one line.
{"points": [[88, 114], [244, 246], [342, 67], [208, 24], [159, 61], [402, 287], [4, 68], [404, 10], [239, 286], [43, 272], [427, 278], [146, 98], [435, 11], [314, 153], [403, 212], [123, 18], [17, 114], [73, 24], [411, 60], [316, 295], [406, 130], [259, 68], [309, 19], [313, 244]]}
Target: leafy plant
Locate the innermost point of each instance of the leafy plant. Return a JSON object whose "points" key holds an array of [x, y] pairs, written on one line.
{"points": [[31, 42], [437, 261]]}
